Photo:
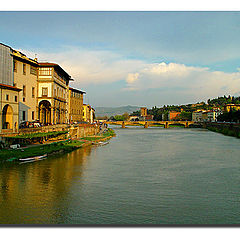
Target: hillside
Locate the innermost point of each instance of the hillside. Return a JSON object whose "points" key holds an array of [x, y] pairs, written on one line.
{"points": [[112, 111]]}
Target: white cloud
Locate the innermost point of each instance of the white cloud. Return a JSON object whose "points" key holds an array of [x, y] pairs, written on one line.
{"points": [[88, 66], [98, 67], [176, 77]]}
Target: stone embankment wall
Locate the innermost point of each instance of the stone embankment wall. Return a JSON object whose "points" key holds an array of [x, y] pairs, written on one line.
{"points": [[75, 131], [230, 129], [83, 130]]}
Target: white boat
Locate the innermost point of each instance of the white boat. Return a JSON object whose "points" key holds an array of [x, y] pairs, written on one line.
{"points": [[33, 158], [103, 143]]}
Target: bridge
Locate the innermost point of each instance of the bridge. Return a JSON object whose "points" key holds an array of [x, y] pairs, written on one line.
{"points": [[146, 124]]}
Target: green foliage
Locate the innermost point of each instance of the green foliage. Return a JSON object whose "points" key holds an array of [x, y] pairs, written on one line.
{"points": [[123, 117], [66, 146], [39, 135], [185, 116], [231, 116]]}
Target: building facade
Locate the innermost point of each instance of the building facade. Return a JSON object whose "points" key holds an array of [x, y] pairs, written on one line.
{"points": [[53, 94], [197, 116], [229, 107], [75, 105], [25, 77], [9, 94], [6, 65], [88, 113], [143, 111], [172, 115]]}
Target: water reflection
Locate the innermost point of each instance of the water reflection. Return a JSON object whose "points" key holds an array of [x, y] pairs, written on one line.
{"points": [[33, 190]]}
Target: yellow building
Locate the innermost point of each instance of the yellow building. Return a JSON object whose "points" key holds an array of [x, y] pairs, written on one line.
{"points": [[143, 111], [88, 113], [53, 94], [75, 105], [229, 107], [9, 119], [25, 78]]}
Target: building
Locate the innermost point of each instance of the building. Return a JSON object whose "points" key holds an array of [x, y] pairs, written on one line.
{"points": [[197, 116], [9, 94], [229, 107], [6, 65], [9, 109], [88, 113], [92, 115], [210, 115], [53, 94], [25, 72], [75, 105], [173, 115], [143, 111]]}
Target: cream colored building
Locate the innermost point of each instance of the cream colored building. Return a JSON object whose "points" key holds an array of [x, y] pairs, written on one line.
{"points": [[25, 78], [75, 105], [9, 118], [197, 116], [88, 113], [53, 94]]}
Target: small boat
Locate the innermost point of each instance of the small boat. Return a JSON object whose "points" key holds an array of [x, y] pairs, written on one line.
{"points": [[103, 143], [33, 158]]}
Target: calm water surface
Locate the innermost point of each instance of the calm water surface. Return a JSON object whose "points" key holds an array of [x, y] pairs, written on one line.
{"points": [[144, 176]]}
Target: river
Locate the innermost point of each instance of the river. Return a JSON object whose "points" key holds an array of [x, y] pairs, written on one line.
{"points": [[144, 176]]}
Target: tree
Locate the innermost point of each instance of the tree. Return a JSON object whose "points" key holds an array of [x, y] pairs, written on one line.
{"points": [[125, 116]]}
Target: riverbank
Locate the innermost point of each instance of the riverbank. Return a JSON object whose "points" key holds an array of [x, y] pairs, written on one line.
{"points": [[65, 146], [225, 130]]}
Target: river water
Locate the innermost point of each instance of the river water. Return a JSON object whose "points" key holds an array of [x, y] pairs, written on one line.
{"points": [[144, 176]]}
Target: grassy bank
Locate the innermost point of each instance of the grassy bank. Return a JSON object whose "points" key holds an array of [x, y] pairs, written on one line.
{"points": [[52, 148], [225, 131]]}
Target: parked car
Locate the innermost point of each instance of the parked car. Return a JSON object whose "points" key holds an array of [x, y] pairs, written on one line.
{"points": [[27, 124]]}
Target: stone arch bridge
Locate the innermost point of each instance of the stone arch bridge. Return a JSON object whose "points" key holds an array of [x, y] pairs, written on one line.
{"points": [[146, 124]]}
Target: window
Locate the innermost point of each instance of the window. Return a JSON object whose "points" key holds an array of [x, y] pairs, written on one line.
{"points": [[32, 115], [23, 115], [33, 92], [24, 99], [7, 97], [44, 92], [24, 90], [15, 98], [33, 70], [24, 68], [45, 71], [15, 66]]}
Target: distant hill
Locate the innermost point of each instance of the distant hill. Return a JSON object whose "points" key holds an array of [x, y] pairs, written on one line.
{"points": [[112, 111]]}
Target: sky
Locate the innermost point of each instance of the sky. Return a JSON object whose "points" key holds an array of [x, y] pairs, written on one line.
{"points": [[134, 58]]}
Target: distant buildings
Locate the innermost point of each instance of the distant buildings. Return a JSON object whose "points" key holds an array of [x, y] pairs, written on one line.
{"points": [[144, 116], [32, 90], [173, 115], [206, 115], [229, 107]]}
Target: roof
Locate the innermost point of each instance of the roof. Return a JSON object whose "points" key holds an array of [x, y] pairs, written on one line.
{"points": [[20, 56], [76, 90], [56, 67], [6, 45], [4, 86]]}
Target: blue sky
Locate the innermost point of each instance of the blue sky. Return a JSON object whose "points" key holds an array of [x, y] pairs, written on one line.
{"points": [[135, 58]]}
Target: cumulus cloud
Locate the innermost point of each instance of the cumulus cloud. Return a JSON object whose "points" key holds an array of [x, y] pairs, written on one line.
{"points": [[91, 66], [199, 81], [103, 67]]}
